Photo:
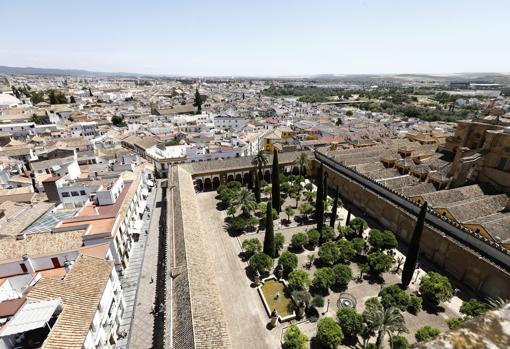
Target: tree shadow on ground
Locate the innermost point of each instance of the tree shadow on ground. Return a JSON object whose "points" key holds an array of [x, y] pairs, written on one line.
{"points": [[319, 291], [374, 279], [312, 314], [315, 344], [432, 308], [350, 341], [295, 250], [339, 288], [220, 206], [250, 276], [359, 259]]}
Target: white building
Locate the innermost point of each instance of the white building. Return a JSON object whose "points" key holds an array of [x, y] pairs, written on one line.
{"points": [[229, 122], [87, 130]]}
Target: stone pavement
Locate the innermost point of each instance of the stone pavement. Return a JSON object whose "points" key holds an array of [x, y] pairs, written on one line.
{"points": [[136, 287], [243, 308]]}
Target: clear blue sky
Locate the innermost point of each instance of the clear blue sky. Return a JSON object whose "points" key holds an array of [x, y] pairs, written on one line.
{"points": [[258, 37]]}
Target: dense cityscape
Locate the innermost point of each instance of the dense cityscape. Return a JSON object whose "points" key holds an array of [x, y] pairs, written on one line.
{"points": [[149, 208], [255, 174]]}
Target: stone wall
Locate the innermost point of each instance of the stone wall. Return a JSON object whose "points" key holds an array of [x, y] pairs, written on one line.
{"points": [[456, 259]]}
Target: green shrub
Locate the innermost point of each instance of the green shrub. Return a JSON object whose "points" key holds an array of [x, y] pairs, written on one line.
{"points": [[426, 333], [473, 308], [279, 240], [328, 233], [436, 288], [252, 246], [289, 261], [294, 338], [347, 232], [329, 253], [399, 342], [260, 262], [350, 321], [329, 333], [415, 304], [299, 280], [357, 224], [394, 296], [359, 244], [343, 274], [317, 301], [454, 322], [382, 240], [299, 240], [379, 262], [313, 238], [323, 279], [346, 250]]}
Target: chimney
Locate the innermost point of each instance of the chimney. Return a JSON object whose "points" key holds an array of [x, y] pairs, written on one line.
{"points": [[68, 265], [34, 185]]}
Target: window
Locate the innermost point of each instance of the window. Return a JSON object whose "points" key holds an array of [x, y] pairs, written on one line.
{"points": [[23, 267], [82, 192], [75, 193], [65, 194]]}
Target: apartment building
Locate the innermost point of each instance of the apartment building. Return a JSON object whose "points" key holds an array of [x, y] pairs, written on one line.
{"points": [[114, 214]]}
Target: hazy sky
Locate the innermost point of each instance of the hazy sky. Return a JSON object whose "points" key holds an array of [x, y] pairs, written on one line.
{"points": [[258, 37]]}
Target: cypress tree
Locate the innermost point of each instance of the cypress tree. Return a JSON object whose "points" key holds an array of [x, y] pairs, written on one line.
{"points": [[257, 187], [325, 186], [319, 200], [334, 209], [348, 220], [414, 248], [198, 101], [269, 244], [275, 183]]}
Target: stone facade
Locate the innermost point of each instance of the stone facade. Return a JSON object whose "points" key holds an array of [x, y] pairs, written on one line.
{"points": [[448, 254]]}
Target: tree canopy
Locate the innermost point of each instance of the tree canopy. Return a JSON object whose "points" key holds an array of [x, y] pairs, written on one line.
{"points": [[329, 333]]}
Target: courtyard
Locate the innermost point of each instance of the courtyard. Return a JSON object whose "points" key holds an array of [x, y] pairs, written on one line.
{"points": [[237, 226], [246, 317]]}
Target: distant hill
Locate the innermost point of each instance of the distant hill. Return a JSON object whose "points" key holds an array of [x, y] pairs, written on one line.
{"points": [[501, 78], [55, 71]]}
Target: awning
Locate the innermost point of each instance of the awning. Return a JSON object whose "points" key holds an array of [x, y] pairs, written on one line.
{"points": [[31, 316]]}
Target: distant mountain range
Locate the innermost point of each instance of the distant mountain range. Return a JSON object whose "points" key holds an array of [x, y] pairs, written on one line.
{"points": [[62, 72], [502, 78]]}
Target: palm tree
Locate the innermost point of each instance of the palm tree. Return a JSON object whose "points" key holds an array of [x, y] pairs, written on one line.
{"points": [[231, 211], [382, 321], [260, 160], [303, 161], [245, 199]]}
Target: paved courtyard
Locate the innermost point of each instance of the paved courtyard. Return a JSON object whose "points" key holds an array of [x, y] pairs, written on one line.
{"points": [[246, 316], [245, 313]]}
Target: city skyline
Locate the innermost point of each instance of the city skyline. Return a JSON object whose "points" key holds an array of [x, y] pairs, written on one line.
{"points": [[198, 39]]}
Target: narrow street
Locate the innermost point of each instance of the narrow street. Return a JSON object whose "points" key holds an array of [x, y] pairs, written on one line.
{"points": [[141, 279]]}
